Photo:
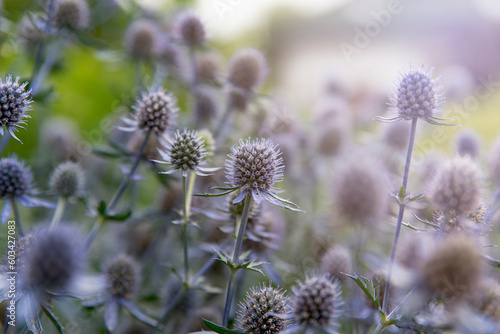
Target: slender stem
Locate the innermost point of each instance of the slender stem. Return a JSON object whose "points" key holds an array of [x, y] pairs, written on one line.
{"points": [[192, 60], [192, 178], [41, 45], [236, 257], [56, 218], [5, 140], [93, 233], [169, 308], [401, 213], [17, 216], [185, 219], [126, 180]]}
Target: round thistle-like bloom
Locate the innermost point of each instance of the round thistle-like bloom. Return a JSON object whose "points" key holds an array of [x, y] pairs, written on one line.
{"points": [[337, 262], [359, 193], [141, 39], [468, 143], [154, 111], [417, 95], [191, 30], [247, 69], [186, 153], [15, 178], [67, 179], [256, 314], [495, 162], [123, 276], [15, 102], [316, 302], [207, 67], [52, 259], [456, 187], [72, 13], [254, 167], [452, 270]]}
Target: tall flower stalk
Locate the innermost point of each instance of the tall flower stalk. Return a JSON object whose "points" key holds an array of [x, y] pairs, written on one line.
{"points": [[417, 95]]}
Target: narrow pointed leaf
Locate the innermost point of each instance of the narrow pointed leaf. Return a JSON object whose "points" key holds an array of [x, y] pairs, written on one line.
{"points": [[219, 329]]}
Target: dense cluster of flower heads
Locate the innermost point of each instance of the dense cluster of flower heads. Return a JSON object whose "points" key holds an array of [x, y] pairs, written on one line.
{"points": [[15, 102], [154, 112]]}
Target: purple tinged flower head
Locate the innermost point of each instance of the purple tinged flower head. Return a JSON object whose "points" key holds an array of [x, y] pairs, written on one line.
{"points": [[257, 313], [254, 167], [247, 69], [468, 143], [72, 13], [155, 111], [67, 179], [15, 102], [15, 178], [191, 30], [142, 39], [337, 262], [316, 302], [123, 276]]}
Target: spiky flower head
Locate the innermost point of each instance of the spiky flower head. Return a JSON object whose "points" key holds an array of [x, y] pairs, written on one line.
{"points": [[15, 178], [456, 187], [123, 276], [52, 259], [67, 179], [191, 30], [254, 167], [247, 69], [337, 262], [495, 162], [257, 313], [417, 95], [186, 153], [452, 270], [468, 143], [154, 111], [71, 13], [359, 192], [316, 302], [141, 39], [15, 102]]}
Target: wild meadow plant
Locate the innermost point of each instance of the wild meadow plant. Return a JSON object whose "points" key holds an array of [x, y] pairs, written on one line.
{"points": [[141, 232]]}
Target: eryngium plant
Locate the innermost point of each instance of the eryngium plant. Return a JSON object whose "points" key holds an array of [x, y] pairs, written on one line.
{"points": [[15, 102]]}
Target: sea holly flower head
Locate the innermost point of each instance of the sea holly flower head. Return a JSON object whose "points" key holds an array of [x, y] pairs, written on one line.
{"points": [[15, 102]]}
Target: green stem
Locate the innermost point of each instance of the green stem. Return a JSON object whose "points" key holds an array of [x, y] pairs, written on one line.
{"points": [[17, 216], [401, 213], [236, 258], [126, 180], [187, 191], [56, 218]]}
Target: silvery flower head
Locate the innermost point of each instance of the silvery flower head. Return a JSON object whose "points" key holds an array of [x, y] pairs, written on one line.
{"points": [[253, 167], [417, 95], [16, 184], [15, 102], [154, 112], [186, 153]]}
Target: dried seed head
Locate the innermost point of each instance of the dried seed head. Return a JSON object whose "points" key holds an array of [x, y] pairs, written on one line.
{"points": [[316, 302], [359, 193], [337, 262], [141, 39], [72, 13], [67, 179], [468, 143], [206, 105], [397, 135], [254, 166], [417, 95], [456, 187], [186, 151], [191, 30], [208, 142], [452, 269], [256, 312], [207, 67], [15, 102], [495, 162], [248, 69], [155, 111], [52, 259], [15, 178], [123, 276]]}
